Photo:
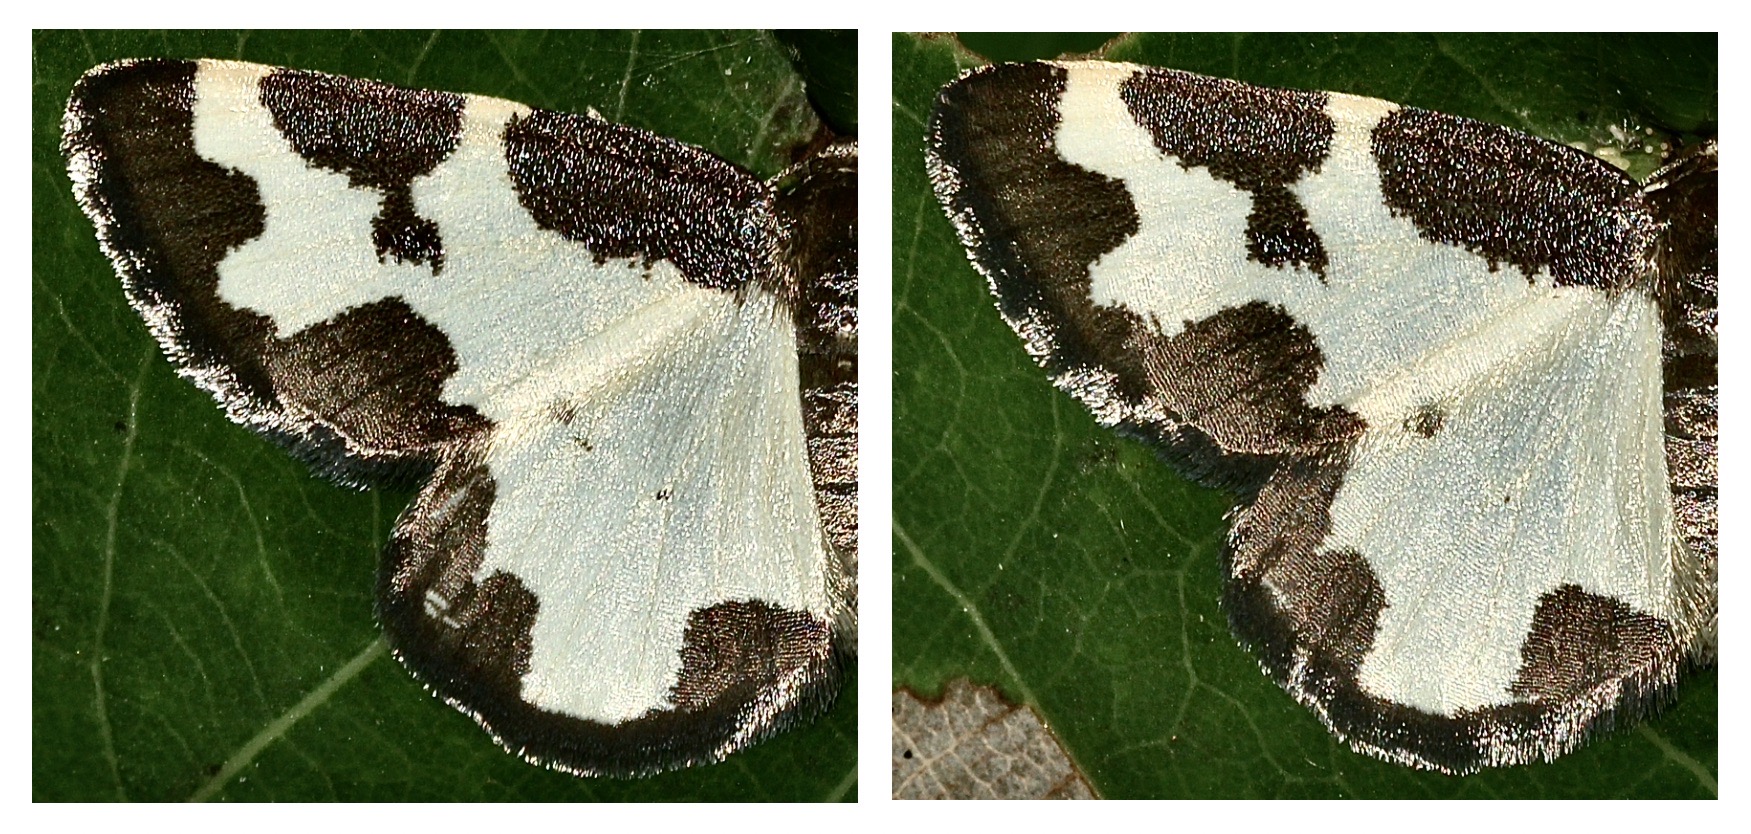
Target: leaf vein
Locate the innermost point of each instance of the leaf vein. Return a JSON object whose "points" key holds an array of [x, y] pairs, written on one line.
{"points": [[968, 608], [626, 77], [111, 523], [278, 728], [1682, 759]]}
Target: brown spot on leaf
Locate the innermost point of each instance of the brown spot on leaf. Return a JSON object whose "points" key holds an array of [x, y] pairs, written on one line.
{"points": [[972, 744]]}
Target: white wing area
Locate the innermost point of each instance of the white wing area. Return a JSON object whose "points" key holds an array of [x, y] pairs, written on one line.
{"points": [[1389, 295], [1548, 467], [306, 209], [510, 294], [649, 454], [663, 491]]}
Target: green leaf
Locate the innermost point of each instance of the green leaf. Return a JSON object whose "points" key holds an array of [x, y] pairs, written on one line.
{"points": [[827, 61], [999, 47], [201, 605], [1037, 551]]}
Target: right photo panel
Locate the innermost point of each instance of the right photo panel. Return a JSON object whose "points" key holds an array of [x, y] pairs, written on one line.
{"points": [[1305, 416]]}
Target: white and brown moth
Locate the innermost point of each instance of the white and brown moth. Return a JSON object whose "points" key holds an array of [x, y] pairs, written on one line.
{"points": [[1462, 379], [621, 370]]}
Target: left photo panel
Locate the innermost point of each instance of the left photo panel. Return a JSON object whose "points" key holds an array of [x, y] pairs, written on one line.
{"points": [[514, 454]]}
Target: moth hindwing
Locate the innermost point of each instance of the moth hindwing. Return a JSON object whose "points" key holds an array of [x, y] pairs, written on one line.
{"points": [[620, 370], [1462, 378]]}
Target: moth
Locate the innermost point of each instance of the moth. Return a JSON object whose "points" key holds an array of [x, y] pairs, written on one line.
{"points": [[621, 371], [1461, 379]]}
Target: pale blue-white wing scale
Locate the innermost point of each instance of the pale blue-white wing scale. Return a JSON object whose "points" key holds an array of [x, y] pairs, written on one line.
{"points": [[641, 498]]}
